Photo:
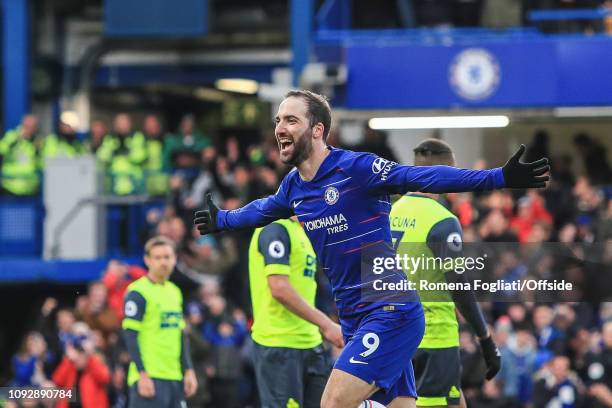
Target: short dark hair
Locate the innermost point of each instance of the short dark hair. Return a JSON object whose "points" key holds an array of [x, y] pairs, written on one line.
{"points": [[431, 152], [159, 241], [318, 108]]}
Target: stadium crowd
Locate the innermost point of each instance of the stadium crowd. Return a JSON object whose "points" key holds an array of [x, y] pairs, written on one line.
{"points": [[555, 351]]}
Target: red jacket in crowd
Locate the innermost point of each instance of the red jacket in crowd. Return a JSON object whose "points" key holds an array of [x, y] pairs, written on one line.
{"points": [[92, 385], [117, 285]]}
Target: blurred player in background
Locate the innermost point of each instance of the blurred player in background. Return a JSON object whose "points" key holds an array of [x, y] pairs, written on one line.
{"points": [[422, 226], [291, 366], [342, 198], [161, 372]]}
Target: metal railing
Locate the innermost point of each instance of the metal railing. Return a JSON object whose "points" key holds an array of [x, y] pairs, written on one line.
{"points": [[74, 211]]}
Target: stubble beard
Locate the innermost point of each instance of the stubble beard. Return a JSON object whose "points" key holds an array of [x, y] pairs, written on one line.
{"points": [[302, 148]]}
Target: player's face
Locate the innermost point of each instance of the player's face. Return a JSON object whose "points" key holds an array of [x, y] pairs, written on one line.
{"points": [[293, 132], [161, 260]]}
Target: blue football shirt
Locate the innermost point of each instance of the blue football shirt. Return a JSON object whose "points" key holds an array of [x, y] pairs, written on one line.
{"points": [[345, 209]]}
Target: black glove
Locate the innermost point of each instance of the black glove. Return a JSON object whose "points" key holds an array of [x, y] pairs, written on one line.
{"points": [[206, 220], [491, 355], [525, 175]]}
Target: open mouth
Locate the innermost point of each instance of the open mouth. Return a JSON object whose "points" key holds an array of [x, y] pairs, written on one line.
{"points": [[284, 144]]}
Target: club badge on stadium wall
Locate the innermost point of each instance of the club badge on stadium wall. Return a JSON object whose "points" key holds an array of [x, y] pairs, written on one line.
{"points": [[474, 74]]}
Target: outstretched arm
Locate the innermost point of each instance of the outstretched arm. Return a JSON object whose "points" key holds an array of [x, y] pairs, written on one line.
{"points": [[255, 214], [389, 177]]}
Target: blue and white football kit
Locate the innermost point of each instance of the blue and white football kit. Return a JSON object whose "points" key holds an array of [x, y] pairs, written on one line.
{"points": [[345, 209]]}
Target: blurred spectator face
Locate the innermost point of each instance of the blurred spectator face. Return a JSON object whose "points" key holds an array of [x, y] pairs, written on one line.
{"points": [[595, 341], [97, 339], [564, 316], [232, 203], [83, 337], [122, 124], [35, 344], [517, 312], [209, 154], [491, 389], [205, 246], [524, 339], [509, 260], [606, 334], [177, 230], [208, 290], [497, 222], [466, 341], [194, 315], [582, 187], [579, 343], [222, 166], [65, 320], [82, 305], [118, 268], [176, 182], [293, 132], [470, 235], [97, 295], [501, 337], [544, 265], [503, 329], [480, 164], [539, 233], [542, 317], [216, 305], [98, 131], [152, 126], [187, 125], [81, 329], [119, 378], [498, 200], [241, 176], [567, 234], [66, 130], [267, 176], [524, 208], [226, 329], [29, 126], [161, 260], [233, 151], [173, 228], [273, 155], [559, 367]]}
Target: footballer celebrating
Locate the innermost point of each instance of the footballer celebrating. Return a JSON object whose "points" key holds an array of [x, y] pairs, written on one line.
{"points": [[342, 199]]}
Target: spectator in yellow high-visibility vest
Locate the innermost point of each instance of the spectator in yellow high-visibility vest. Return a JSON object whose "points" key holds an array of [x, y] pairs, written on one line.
{"points": [[65, 142], [123, 153], [97, 131], [156, 179], [19, 155]]}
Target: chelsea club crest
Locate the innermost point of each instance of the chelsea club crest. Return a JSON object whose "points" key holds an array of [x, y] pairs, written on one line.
{"points": [[474, 74], [331, 195]]}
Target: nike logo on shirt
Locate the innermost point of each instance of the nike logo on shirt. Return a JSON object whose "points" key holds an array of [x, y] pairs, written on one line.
{"points": [[352, 360]]}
